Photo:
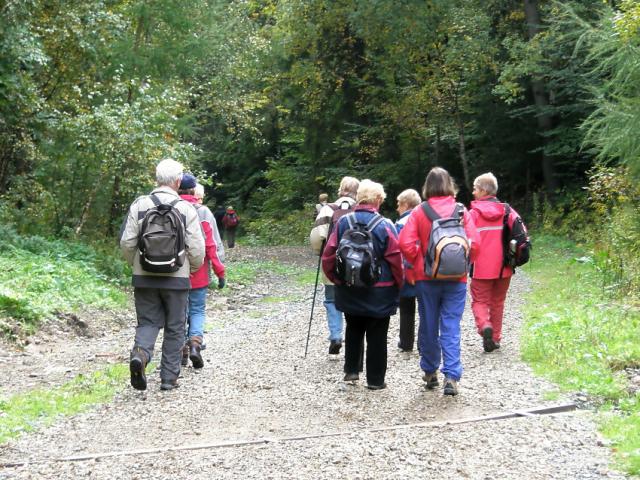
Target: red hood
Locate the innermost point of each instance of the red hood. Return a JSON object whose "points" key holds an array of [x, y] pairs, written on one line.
{"points": [[488, 208], [229, 212], [189, 198]]}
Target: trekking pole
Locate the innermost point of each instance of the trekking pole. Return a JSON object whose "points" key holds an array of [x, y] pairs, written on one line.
{"points": [[313, 303]]}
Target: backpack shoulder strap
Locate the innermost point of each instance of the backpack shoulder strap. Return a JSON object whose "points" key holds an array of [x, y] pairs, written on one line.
{"points": [[429, 211], [350, 217], [374, 222], [156, 201], [458, 210]]}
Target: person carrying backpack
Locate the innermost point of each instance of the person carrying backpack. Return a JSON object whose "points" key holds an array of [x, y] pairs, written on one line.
{"points": [[162, 240], [440, 240], [492, 270], [325, 222], [230, 222], [196, 315], [363, 260]]}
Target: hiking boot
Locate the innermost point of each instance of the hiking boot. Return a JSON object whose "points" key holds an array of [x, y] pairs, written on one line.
{"points": [[194, 352], [185, 355], [377, 387], [431, 380], [450, 386], [168, 384], [351, 377], [334, 347], [403, 348], [137, 364], [487, 340], [497, 345]]}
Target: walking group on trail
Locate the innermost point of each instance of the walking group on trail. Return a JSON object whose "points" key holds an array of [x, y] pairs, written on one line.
{"points": [[370, 267]]}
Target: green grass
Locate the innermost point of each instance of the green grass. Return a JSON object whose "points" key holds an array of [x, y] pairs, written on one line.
{"points": [[34, 286], [28, 411], [580, 337], [246, 272]]}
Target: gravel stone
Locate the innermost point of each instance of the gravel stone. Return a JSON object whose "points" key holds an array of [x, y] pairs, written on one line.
{"points": [[306, 423]]}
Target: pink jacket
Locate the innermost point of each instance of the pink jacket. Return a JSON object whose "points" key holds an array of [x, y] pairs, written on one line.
{"points": [[200, 278], [414, 237], [488, 214]]}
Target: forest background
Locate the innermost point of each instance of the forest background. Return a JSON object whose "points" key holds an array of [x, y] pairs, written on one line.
{"points": [[271, 102]]}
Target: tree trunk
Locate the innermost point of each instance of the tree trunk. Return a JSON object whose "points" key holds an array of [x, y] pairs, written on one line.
{"points": [[545, 121], [462, 150]]}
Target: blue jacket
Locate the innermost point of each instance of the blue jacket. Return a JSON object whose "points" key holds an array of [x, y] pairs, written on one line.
{"points": [[407, 290], [380, 300]]}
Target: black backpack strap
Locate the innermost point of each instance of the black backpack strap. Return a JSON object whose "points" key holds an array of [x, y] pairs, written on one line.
{"points": [[505, 236], [156, 201], [458, 211], [429, 211]]}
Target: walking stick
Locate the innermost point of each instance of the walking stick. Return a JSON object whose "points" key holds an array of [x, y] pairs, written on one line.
{"points": [[313, 303]]}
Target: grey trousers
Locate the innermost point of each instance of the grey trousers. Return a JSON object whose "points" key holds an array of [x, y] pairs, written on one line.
{"points": [[158, 308]]}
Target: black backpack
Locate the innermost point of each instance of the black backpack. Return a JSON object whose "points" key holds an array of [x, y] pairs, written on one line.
{"points": [[161, 240], [516, 243], [357, 264]]}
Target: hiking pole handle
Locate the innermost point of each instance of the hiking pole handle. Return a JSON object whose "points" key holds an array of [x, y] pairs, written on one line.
{"points": [[313, 302]]}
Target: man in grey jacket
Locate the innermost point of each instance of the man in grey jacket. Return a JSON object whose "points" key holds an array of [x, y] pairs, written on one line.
{"points": [[161, 298]]}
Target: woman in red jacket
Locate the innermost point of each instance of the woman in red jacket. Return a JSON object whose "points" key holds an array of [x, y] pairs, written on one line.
{"points": [[440, 302], [491, 277]]}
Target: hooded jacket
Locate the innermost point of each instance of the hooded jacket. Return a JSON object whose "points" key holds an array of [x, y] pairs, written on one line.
{"points": [[414, 237], [200, 278], [488, 216]]}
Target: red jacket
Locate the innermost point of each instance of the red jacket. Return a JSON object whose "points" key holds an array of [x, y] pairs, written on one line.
{"points": [[414, 237], [200, 278], [488, 214]]}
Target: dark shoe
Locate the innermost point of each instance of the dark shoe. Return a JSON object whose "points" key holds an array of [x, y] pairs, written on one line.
{"points": [[450, 387], [194, 352], [377, 387], [137, 364], [431, 380], [169, 384], [497, 345], [351, 377], [185, 355], [404, 349], [334, 347], [487, 340]]}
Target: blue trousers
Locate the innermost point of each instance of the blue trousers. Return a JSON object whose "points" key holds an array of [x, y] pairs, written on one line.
{"points": [[440, 306], [334, 316], [196, 313]]}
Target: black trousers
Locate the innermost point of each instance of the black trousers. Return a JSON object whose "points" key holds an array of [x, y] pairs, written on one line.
{"points": [[375, 330], [407, 323]]}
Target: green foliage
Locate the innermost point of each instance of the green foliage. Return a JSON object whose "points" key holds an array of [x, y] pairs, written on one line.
{"points": [[40, 277], [582, 339], [290, 228], [28, 411]]}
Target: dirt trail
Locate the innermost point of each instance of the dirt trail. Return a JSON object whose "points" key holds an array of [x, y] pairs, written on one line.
{"points": [[256, 384]]}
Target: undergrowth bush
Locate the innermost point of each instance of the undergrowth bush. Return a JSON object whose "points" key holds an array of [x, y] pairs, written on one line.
{"points": [[290, 229]]}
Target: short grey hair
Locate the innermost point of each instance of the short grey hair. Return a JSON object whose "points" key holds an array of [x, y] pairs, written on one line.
{"points": [[168, 172], [348, 187], [487, 182], [370, 192], [199, 190], [409, 197]]}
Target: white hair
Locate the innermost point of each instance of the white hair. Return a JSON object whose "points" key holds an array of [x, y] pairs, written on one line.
{"points": [[168, 172], [487, 182], [370, 192], [198, 191]]}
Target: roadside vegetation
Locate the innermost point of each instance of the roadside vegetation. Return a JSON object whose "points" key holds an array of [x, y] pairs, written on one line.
{"points": [[583, 317]]}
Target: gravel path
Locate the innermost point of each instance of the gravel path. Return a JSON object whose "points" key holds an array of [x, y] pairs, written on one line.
{"points": [[256, 385]]}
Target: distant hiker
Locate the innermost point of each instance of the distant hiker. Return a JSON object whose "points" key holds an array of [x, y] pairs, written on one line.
{"points": [[407, 201], [219, 215], [318, 236], [230, 222], [491, 274], [323, 199], [440, 274], [162, 240], [373, 296], [196, 315]]}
